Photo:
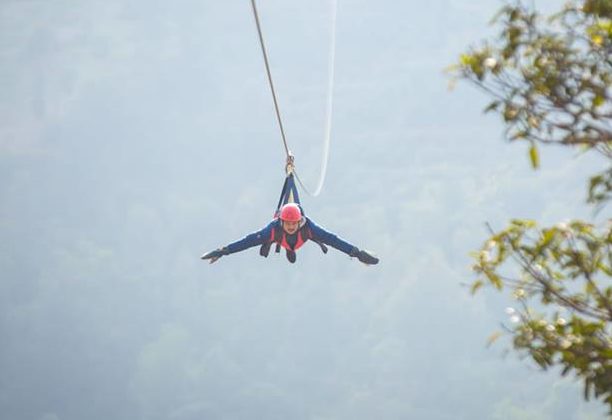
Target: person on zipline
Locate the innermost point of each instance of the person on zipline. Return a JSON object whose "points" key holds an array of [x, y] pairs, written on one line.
{"points": [[291, 229]]}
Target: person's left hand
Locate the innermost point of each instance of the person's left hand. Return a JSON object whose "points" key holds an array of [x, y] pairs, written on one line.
{"points": [[214, 255]]}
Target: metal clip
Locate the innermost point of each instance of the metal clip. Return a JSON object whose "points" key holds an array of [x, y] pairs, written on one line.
{"points": [[290, 165]]}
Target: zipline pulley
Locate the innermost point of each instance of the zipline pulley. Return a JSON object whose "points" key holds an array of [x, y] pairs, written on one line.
{"points": [[290, 165]]}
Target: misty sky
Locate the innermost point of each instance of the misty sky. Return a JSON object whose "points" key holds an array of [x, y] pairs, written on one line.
{"points": [[136, 135]]}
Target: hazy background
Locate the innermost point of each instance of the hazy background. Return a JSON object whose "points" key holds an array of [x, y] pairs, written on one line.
{"points": [[136, 135]]}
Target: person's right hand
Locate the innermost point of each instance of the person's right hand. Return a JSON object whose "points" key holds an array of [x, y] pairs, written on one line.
{"points": [[366, 257]]}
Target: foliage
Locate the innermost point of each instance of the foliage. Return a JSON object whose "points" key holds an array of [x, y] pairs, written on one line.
{"points": [[550, 80], [564, 267]]}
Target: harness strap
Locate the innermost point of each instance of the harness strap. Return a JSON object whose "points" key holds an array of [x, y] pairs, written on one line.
{"points": [[282, 196], [276, 238], [289, 194]]}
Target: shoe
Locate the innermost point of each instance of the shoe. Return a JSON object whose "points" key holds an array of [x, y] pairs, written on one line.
{"points": [[291, 256]]}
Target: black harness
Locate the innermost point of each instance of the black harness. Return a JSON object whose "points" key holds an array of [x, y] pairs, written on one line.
{"points": [[277, 238], [289, 193]]}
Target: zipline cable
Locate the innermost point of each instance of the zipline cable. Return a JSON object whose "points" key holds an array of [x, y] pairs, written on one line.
{"points": [[265, 56]]}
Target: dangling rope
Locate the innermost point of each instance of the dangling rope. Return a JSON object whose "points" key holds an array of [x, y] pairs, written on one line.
{"points": [[330, 86], [329, 107]]}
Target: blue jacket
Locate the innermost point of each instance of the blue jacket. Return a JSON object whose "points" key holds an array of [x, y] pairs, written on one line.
{"points": [[310, 230]]}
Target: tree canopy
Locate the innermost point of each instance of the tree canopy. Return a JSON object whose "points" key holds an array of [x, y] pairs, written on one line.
{"points": [[550, 78]]}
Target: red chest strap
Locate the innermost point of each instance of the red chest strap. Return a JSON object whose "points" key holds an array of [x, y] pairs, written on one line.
{"points": [[279, 236]]}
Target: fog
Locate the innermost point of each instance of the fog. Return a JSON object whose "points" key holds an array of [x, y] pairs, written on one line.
{"points": [[137, 135]]}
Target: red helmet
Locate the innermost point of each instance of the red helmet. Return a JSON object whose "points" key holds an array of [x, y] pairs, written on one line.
{"points": [[291, 213]]}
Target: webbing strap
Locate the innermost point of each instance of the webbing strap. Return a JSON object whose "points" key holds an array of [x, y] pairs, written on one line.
{"points": [[289, 193]]}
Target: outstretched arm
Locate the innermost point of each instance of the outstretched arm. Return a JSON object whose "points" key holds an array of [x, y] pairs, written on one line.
{"points": [[251, 240], [321, 235]]}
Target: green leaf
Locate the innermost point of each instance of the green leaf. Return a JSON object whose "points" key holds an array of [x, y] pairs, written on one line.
{"points": [[534, 157], [494, 279], [590, 289], [466, 59], [492, 106], [598, 101], [548, 235], [476, 285], [604, 268]]}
